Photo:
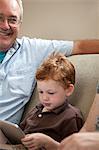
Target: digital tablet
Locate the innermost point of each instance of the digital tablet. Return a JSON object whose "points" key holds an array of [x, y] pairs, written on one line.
{"points": [[12, 131]]}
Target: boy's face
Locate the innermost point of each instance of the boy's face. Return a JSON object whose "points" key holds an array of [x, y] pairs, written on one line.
{"points": [[51, 94]]}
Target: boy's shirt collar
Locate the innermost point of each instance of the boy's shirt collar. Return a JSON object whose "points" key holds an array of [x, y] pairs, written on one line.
{"points": [[57, 110]]}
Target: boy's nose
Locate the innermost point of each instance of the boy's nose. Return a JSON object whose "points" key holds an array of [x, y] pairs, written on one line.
{"points": [[45, 97]]}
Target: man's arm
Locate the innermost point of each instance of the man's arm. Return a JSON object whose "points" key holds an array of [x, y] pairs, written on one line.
{"points": [[90, 123], [81, 141], [86, 47]]}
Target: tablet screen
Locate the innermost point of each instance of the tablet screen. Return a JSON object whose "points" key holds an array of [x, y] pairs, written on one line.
{"points": [[12, 131]]}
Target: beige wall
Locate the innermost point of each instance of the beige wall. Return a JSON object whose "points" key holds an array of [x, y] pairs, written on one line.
{"points": [[61, 19]]}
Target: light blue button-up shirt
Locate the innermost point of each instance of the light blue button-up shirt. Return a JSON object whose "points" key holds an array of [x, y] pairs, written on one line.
{"points": [[17, 73]]}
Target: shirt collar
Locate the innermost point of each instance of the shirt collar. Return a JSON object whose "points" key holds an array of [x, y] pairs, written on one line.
{"points": [[16, 45], [56, 110], [61, 108]]}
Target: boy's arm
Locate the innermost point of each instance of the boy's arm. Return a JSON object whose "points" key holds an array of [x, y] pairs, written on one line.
{"points": [[39, 140], [86, 47]]}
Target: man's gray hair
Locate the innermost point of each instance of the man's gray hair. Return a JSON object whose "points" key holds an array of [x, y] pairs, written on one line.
{"points": [[21, 8]]}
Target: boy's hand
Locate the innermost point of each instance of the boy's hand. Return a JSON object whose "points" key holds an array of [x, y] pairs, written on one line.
{"points": [[33, 141]]}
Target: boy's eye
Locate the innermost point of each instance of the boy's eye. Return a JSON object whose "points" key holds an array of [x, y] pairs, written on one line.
{"points": [[41, 92], [51, 93]]}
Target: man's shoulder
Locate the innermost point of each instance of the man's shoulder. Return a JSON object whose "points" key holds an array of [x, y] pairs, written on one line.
{"points": [[25, 40], [22, 39]]}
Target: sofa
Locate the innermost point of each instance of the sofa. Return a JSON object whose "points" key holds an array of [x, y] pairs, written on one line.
{"points": [[87, 75]]}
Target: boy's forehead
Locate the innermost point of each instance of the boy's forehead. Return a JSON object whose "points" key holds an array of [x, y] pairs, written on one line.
{"points": [[48, 84]]}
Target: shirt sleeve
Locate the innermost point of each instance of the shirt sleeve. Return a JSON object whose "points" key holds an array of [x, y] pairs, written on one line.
{"points": [[65, 47], [73, 126], [44, 47]]}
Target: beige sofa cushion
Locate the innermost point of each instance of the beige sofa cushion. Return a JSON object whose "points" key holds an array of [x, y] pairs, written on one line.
{"points": [[87, 74]]}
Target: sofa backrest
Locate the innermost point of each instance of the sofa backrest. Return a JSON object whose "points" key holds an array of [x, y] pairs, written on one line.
{"points": [[87, 75]]}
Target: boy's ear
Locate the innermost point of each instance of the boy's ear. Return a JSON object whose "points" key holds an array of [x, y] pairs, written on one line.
{"points": [[69, 90]]}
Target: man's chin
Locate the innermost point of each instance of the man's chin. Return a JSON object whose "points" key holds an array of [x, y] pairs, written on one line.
{"points": [[5, 45]]}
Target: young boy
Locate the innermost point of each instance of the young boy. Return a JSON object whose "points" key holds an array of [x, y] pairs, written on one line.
{"points": [[54, 116]]}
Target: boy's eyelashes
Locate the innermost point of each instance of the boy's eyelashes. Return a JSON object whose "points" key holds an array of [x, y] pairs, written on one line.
{"points": [[51, 93]]}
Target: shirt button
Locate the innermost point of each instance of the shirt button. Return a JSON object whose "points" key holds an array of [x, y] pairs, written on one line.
{"points": [[40, 115]]}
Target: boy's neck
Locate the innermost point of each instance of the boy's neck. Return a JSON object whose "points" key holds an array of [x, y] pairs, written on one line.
{"points": [[45, 110]]}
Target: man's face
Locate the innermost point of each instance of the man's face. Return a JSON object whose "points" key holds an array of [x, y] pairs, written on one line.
{"points": [[9, 23]]}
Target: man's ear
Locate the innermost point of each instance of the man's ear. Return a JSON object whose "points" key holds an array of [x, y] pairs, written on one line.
{"points": [[69, 90]]}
